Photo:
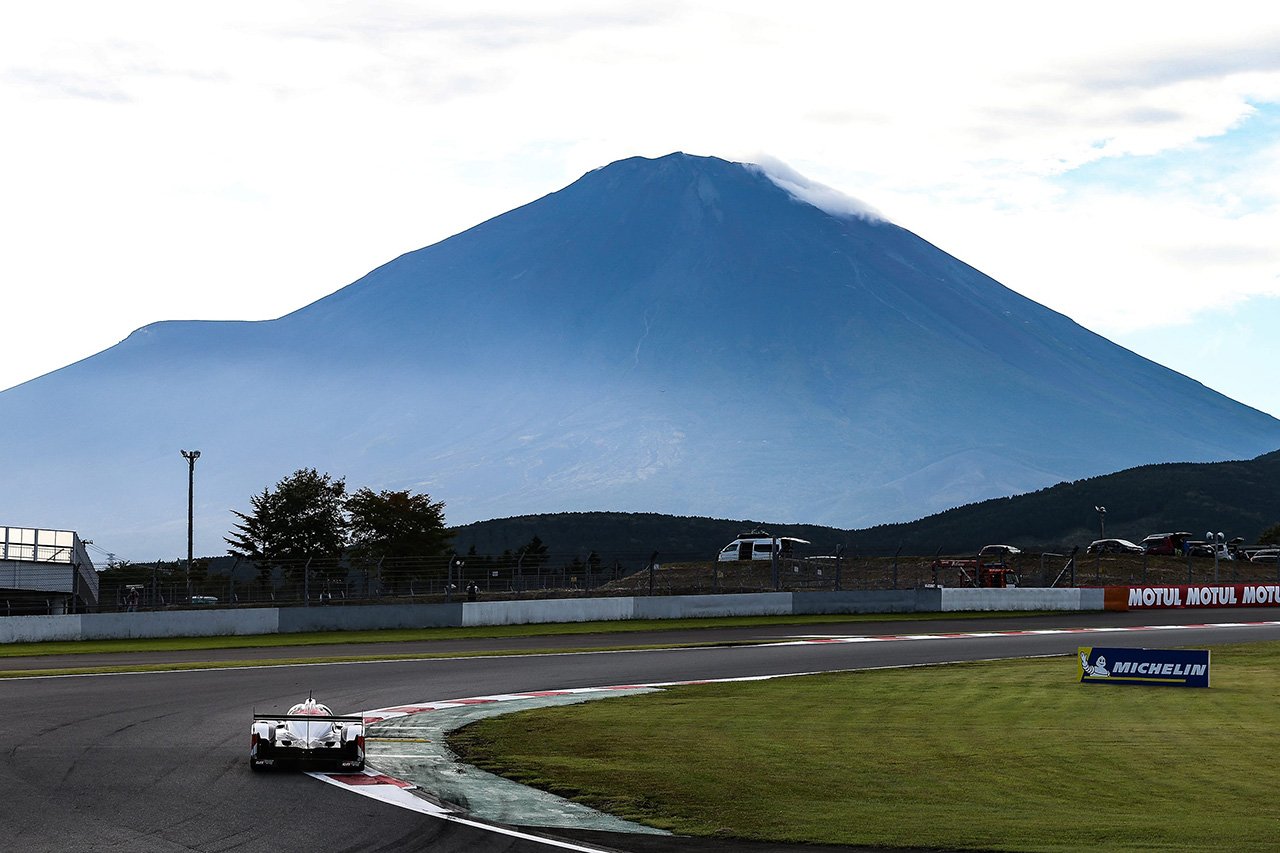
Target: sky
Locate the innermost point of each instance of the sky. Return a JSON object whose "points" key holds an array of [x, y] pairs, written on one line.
{"points": [[1117, 162]]}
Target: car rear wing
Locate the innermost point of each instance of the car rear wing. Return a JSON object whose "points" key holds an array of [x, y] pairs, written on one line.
{"points": [[311, 718]]}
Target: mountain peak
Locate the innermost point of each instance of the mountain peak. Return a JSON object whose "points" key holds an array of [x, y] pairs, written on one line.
{"points": [[683, 335], [707, 170]]}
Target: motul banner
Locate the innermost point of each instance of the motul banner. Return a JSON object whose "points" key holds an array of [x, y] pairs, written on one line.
{"points": [[1158, 597]]}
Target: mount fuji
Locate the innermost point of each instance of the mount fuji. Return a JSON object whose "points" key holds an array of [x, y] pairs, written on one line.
{"points": [[682, 335]]}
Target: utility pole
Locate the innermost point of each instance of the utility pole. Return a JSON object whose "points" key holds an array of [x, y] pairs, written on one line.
{"points": [[191, 456]]}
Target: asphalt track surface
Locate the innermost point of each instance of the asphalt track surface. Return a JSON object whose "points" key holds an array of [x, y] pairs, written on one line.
{"points": [[158, 761]]}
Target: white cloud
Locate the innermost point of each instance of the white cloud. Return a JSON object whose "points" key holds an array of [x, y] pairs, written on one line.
{"points": [[821, 196]]}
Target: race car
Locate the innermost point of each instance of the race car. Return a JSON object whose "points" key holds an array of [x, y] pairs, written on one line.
{"points": [[310, 735]]}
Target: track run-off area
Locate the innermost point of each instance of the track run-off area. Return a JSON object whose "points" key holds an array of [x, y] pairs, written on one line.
{"points": [[157, 761]]}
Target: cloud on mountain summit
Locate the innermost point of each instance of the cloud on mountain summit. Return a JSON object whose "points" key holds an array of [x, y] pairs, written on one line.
{"points": [[821, 196]]}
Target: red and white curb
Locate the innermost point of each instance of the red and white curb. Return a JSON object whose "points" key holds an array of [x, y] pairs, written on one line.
{"points": [[817, 639], [398, 792]]}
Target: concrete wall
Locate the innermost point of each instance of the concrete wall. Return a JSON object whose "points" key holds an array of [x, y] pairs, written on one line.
{"points": [[368, 617], [178, 623], [270, 620], [1093, 598], [869, 601], [40, 629], [704, 606], [546, 610], [1019, 598]]}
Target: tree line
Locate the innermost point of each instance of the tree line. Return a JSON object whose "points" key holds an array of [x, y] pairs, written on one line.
{"points": [[309, 526]]}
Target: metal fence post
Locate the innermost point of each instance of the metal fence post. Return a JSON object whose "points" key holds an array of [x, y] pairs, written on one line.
{"points": [[773, 564]]}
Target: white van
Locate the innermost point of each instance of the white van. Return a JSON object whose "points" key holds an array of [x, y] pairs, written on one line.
{"points": [[758, 545]]}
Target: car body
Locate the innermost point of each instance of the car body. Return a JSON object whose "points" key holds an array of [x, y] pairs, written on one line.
{"points": [[1265, 555], [758, 545], [1000, 551], [1197, 548], [310, 735], [1169, 544], [1113, 546]]}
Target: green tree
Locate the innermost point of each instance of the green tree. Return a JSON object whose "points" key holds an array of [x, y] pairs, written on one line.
{"points": [[533, 554], [1270, 536], [299, 521], [249, 538], [402, 532]]}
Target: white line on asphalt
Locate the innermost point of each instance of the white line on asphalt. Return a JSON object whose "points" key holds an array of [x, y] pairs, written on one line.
{"points": [[397, 796]]}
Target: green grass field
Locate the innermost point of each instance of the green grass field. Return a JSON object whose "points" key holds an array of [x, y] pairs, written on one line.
{"points": [[999, 756]]}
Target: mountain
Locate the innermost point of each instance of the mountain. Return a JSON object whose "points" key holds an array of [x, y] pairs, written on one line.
{"points": [[679, 335], [1238, 498]]}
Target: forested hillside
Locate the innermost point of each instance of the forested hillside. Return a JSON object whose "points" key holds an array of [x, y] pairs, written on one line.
{"points": [[1237, 498]]}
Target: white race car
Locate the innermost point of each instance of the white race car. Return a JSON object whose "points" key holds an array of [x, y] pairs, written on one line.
{"points": [[310, 735]]}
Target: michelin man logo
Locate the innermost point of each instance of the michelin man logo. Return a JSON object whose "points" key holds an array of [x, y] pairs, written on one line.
{"points": [[1094, 670]]}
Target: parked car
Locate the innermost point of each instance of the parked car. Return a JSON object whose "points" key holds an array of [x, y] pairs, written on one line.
{"points": [[1198, 548], [1266, 555], [758, 545], [1165, 543], [1113, 546], [1001, 551]]}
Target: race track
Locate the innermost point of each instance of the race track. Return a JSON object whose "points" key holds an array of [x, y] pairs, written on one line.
{"points": [[158, 762]]}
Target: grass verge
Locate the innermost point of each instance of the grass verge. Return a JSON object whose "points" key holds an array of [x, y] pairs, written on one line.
{"points": [[1012, 755]]}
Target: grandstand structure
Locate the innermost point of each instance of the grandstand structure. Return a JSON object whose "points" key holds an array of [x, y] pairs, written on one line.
{"points": [[45, 571]]}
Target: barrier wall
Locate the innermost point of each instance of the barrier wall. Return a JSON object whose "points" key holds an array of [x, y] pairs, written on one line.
{"points": [[705, 606], [1014, 598], [40, 629], [270, 620], [546, 610], [367, 617], [176, 623], [870, 601]]}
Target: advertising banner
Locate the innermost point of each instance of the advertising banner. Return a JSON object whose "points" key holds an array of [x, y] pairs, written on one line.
{"points": [[1167, 667], [1219, 595]]}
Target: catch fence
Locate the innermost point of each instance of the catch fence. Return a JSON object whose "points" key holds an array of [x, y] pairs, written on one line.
{"points": [[329, 582]]}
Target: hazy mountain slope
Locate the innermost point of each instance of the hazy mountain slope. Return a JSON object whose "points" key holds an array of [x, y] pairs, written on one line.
{"points": [[675, 335], [1237, 498]]}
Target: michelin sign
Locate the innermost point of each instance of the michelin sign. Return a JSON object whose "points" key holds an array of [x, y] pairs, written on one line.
{"points": [[1171, 667]]}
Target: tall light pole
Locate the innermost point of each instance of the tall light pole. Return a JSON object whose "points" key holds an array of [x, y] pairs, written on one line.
{"points": [[1214, 543], [191, 456], [1102, 521]]}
